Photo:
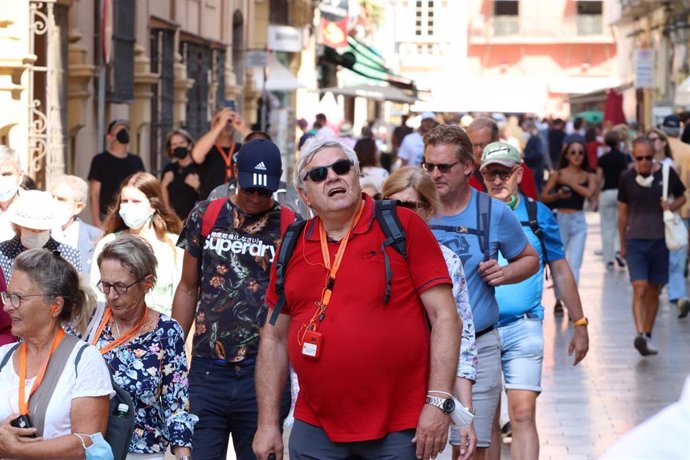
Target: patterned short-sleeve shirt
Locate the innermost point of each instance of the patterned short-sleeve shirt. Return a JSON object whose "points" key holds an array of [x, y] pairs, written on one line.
{"points": [[234, 266]]}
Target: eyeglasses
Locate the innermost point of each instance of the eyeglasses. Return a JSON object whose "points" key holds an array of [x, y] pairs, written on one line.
{"points": [[504, 175], [340, 167], [413, 205], [9, 298], [262, 192], [645, 158], [120, 288], [443, 168]]}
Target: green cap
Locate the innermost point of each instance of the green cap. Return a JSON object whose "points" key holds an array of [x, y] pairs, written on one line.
{"points": [[501, 153]]}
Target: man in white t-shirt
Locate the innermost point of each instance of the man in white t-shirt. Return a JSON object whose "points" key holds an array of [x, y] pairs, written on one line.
{"points": [[411, 151]]}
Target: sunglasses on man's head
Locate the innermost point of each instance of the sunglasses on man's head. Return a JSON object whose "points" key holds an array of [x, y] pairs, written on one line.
{"points": [[319, 174]]}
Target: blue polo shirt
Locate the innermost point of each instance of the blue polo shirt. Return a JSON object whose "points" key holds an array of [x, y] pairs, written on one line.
{"points": [[505, 235], [514, 300]]}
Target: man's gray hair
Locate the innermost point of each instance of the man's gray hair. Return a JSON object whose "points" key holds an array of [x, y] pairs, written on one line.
{"points": [[313, 146], [79, 187], [9, 156], [482, 123]]}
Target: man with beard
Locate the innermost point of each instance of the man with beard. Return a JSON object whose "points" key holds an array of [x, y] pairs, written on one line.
{"points": [[229, 250]]}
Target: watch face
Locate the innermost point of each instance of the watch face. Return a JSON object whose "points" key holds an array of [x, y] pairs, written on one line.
{"points": [[448, 406]]}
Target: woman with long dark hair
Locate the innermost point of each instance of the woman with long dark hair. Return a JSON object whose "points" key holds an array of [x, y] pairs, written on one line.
{"points": [[566, 191]]}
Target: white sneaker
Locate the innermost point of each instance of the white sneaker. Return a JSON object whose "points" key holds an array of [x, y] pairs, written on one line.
{"points": [[651, 349]]}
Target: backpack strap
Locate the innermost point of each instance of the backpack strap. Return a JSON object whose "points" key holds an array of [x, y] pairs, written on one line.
{"points": [[484, 224], [387, 217], [211, 215], [287, 216], [8, 355], [287, 247], [533, 224]]}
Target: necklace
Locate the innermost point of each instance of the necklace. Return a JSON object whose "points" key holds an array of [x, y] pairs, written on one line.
{"points": [[117, 327]]}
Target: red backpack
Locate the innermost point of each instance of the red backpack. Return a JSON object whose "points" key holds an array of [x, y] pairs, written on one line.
{"points": [[287, 216]]}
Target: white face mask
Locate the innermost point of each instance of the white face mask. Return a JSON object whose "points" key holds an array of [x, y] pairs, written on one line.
{"points": [[63, 213], [34, 240], [8, 187], [645, 182], [135, 215]]}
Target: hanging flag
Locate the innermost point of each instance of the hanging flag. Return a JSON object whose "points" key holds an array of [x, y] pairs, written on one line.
{"points": [[334, 18]]}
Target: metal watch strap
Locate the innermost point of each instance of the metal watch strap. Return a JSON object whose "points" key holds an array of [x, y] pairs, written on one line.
{"points": [[436, 402]]}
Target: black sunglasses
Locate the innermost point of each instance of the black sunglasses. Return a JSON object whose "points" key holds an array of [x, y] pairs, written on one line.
{"points": [[340, 167], [504, 174], [645, 158], [263, 192], [443, 168]]}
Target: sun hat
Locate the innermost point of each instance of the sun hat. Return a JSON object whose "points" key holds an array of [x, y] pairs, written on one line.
{"points": [[33, 209]]}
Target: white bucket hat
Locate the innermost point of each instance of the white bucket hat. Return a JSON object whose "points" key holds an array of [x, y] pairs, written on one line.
{"points": [[33, 209]]}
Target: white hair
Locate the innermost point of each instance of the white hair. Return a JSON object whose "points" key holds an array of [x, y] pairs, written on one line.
{"points": [[9, 156], [79, 187], [313, 146]]}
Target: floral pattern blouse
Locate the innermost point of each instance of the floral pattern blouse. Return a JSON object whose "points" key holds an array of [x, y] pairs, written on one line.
{"points": [[467, 364], [153, 369]]}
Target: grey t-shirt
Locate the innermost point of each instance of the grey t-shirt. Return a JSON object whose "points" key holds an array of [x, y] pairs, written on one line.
{"points": [[645, 216]]}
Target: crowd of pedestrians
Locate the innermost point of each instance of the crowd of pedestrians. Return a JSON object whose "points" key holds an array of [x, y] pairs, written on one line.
{"points": [[403, 295]]}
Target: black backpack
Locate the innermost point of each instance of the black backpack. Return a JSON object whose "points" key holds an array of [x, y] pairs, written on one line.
{"points": [[533, 224], [387, 218]]}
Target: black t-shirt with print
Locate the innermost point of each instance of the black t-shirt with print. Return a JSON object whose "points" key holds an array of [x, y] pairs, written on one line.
{"points": [[235, 263], [645, 216]]}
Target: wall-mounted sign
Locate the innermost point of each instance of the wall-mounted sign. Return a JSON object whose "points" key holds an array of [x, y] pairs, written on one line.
{"points": [[644, 68], [285, 38], [257, 58]]}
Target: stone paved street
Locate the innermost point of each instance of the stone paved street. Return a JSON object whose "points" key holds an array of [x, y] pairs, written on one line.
{"points": [[583, 410]]}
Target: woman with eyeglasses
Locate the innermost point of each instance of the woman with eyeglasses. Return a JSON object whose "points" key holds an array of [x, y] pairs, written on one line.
{"points": [[141, 210], [53, 385], [144, 350], [565, 192], [415, 189]]}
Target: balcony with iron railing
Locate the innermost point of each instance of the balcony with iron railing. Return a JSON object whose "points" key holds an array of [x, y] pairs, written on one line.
{"points": [[583, 28]]}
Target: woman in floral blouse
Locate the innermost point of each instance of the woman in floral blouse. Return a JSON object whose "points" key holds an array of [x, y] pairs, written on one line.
{"points": [[415, 189], [144, 350]]}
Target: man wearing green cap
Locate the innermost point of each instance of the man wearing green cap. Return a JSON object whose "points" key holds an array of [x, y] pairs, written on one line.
{"points": [[519, 305]]}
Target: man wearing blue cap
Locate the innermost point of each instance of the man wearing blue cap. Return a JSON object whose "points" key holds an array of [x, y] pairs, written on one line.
{"points": [[229, 246]]}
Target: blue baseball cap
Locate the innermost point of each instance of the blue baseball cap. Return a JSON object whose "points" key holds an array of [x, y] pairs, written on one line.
{"points": [[259, 165]]}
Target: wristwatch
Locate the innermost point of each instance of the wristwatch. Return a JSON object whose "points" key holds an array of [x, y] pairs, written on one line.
{"points": [[446, 405], [581, 322]]}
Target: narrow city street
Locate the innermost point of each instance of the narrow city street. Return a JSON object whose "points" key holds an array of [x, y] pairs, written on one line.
{"points": [[584, 409]]}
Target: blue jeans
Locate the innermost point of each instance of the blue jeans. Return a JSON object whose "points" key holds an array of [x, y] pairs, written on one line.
{"points": [[223, 396], [676, 275], [573, 228], [522, 354]]}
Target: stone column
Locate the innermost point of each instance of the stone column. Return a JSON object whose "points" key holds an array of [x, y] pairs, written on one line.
{"points": [[140, 109]]}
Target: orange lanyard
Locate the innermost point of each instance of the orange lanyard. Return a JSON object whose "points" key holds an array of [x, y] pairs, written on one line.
{"points": [[23, 401], [134, 330], [332, 270], [227, 157]]}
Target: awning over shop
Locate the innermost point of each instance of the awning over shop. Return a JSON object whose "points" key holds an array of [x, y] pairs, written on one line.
{"points": [[377, 93], [279, 78], [505, 95], [581, 85]]}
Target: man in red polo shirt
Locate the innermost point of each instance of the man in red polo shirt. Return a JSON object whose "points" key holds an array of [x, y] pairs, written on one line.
{"points": [[375, 381]]}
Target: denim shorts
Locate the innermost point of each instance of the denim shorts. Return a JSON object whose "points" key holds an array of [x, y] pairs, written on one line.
{"points": [[647, 260], [522, 354]]}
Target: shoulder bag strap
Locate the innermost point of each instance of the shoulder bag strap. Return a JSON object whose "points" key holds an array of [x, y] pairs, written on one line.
{"points": [[664, 174], [38, 403], [8, 355]]}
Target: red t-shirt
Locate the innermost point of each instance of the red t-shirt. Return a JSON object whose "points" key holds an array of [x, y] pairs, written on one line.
{"points": [[371, 376], [527, 186]]}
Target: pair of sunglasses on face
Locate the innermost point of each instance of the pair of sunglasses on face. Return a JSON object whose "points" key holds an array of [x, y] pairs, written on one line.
{"points": [[319, 174]]}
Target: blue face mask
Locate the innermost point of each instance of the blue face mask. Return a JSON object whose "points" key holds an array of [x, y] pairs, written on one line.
{"points": [[99, 449]]}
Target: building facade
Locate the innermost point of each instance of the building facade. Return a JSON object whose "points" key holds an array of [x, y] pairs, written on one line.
{"points": [[70, 66]]}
